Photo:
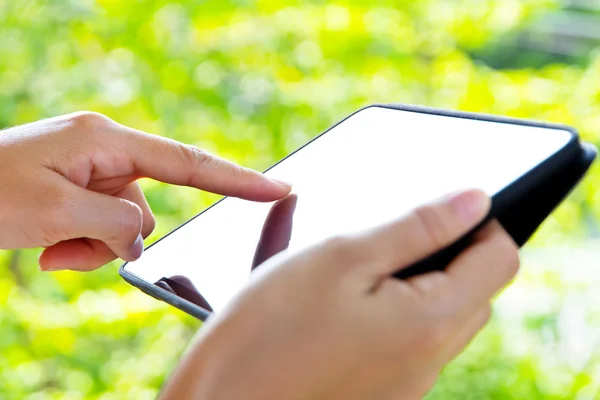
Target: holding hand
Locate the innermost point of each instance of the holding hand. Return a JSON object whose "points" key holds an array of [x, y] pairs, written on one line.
{"points": [[69, 185], [332, 322]]}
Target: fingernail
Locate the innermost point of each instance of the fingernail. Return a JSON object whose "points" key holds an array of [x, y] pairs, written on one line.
{"points": [[286, 184], [470, 206], [44, 268], [137, 248]]}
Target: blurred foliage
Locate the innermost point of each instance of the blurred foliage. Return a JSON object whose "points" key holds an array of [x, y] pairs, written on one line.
{"points": [[251, 81], [569, 34]]}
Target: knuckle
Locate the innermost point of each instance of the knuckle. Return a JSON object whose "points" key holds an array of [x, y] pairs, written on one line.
{"points": [[203, 160], [89, 118], [432, 224], [88, 122], [430, 287], [195, 160], [196, 155]]}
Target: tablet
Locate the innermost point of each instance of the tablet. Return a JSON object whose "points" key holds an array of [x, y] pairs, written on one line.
{"points": [[375, 165]]}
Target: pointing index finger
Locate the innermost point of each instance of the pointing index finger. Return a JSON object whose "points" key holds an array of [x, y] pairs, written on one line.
{"points": [[169, 161]]}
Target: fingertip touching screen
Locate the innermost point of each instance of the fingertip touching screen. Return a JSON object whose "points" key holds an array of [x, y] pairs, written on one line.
{"points": [[374, 166]]}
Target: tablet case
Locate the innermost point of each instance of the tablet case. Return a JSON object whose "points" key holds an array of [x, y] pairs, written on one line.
{"points": [[520, 214], [525, 204], [520, 208]]}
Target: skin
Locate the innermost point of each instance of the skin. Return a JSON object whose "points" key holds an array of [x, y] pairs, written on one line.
{"points": [[329, 322], [69, 185]]}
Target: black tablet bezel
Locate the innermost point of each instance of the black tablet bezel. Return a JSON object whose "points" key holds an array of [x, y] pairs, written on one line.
{"points": [[499, 201]]}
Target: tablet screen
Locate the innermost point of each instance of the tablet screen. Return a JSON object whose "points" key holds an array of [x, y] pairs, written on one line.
{"points": [[374, 166]]}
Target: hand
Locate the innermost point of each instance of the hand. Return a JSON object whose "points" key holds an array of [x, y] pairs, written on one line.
{"points": [[69, 184], [332, 323]]}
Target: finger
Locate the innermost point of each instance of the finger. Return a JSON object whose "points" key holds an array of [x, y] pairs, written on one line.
{"points": [[77, 255], [89, 254], [115, 221], [478, 273], [277, 230], [133, 192], [424, 231], [172, 162]]}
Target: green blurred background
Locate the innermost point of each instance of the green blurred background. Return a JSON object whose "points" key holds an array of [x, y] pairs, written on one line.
{"points": [[253, 80]]}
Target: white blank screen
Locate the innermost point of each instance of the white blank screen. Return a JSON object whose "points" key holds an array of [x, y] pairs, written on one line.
{"points": [[373, 167]]}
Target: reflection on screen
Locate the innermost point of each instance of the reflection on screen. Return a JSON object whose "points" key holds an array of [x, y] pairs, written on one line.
{"points": [[374, 166]]}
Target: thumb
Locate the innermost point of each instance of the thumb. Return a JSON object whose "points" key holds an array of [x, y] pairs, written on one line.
{"points": [[114, 221], [426, 229]]}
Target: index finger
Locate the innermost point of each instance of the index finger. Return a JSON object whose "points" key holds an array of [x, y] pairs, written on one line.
{"points": [[169, 161]]}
